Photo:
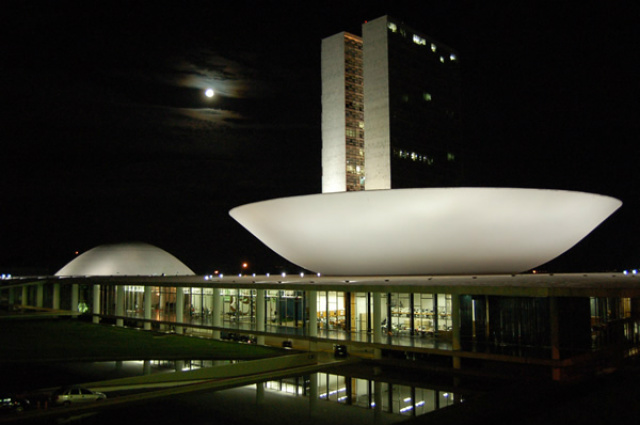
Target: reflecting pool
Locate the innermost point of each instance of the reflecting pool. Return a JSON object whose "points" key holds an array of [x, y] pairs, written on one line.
{"points": [[329, 397], [344, 394]]}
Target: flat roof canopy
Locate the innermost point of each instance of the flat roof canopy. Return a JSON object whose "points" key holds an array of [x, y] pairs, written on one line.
{"points": [[526, 285]]}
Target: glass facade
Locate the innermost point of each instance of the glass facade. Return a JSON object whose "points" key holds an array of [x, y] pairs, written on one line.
{"points": [[354, 114], [508, 325], [339, 315], [425, 118], [399, 324]]}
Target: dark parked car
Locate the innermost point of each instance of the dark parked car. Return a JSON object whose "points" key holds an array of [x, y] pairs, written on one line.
{"points": [[75, 395]]}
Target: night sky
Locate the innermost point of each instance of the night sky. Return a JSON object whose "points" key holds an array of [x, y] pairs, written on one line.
{"points": [[107, 135]]}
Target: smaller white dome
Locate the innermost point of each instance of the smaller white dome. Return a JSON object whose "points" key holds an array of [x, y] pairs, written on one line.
{"points": [[125, 259]]}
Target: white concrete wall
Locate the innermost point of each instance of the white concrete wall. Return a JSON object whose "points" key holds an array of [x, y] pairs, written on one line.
{"points": [[334, 159], [377, 143]]}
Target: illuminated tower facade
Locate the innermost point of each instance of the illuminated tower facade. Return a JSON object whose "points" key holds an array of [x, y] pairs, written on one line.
{"points": [[342, 114], [410, 99]]}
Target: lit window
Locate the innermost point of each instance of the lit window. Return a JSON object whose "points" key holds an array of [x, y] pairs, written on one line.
{"points": [[426, 96], [433, 47], [419, 40], [450, 156], [393, 27]]}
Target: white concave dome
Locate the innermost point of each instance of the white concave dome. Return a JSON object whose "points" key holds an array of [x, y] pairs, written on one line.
{"points": [[125, 259]]}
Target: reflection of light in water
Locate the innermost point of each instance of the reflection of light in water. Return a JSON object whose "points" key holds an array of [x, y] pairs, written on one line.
{"points": [[362, 394], [332, 392]]}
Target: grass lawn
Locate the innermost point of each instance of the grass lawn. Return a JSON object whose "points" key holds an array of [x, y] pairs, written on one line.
{"points": [[33, 340]]}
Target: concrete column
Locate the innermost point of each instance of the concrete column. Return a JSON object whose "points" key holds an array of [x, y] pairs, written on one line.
{"points": [[74, 297], [147, 307], [162, 302], [96, 303], [12, 296], [119, 305], [25, 295], [40, 295], [313, 392], [56, 296], [377, 399], [455, 326], [216, 316], [556, 372], [259, 393], [179, 308], [260, 316], [377, 323], [146, 367], [377, 317], [312, 301]]}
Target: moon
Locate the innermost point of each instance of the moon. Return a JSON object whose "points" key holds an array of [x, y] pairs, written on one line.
{"points": [[209, 93]]}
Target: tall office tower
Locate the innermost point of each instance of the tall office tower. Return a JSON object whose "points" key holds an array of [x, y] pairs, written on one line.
{"points": [[412, 127], [342, 114]]}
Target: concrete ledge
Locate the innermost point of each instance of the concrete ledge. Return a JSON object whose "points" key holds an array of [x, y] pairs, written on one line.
{"points": [[244, 368]]}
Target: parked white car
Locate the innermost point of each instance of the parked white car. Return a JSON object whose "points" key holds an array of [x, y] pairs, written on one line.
{"points": [[76, 395]]}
